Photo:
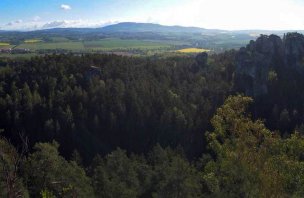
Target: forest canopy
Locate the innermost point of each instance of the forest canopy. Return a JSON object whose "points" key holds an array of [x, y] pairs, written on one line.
{"points": [[92, 125], [248, 160]]}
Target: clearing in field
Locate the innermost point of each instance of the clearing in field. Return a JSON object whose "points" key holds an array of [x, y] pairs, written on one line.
{"points": [[33, 41], [193, 50]]}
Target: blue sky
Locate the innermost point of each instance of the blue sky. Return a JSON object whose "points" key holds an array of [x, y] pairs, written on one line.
{"points": [[221, 14]]}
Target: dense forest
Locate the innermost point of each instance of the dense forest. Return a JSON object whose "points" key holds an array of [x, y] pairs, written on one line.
{"points": [[223, 125]]}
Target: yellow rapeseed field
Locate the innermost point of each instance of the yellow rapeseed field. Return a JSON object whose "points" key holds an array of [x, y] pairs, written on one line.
{"points": [[193, 50]]}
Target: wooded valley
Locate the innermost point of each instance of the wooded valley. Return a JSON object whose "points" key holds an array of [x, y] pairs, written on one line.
{"points": [[220, 125]]}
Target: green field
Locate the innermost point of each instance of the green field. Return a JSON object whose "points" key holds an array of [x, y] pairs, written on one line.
{"points": [[114, 44], [96, 45], [17, 55], [73, 46], [59, 39]]}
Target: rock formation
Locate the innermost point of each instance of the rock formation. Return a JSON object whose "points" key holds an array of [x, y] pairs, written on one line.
{"points": [[294, 51], [201, 59], [267, 53]]}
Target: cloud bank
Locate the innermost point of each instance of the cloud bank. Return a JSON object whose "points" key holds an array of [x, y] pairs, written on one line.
{"points": [[12, 23], [37, 24], [234, 14]]}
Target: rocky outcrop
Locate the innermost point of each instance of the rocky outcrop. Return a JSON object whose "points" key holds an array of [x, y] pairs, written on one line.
{"points": [[92, 72], [201, 59], [294, 51], [200, 62], [267, 53]]}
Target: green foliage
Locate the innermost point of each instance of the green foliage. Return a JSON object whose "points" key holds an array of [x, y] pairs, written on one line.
{"points": [[251, 160], [127, 102], [166, 173], [47, 194], [94, 104], [173, 175], [11, 184], [248, 161], [56, 175], [119, 176]]}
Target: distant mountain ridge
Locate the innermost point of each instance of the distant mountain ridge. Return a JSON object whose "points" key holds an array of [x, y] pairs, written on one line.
{"points": [[126, 27], [133, 27], [149, 27]]}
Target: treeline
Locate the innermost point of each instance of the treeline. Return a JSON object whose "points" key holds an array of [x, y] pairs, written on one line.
{"points": [[246, 160]]}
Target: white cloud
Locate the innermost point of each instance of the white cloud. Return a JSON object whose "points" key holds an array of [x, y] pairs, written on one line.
{"points": [[36, 18], [65, 7], [234, 14], [12, 23], [76, 24], [151, 20], [54, 24], [38, 24]]}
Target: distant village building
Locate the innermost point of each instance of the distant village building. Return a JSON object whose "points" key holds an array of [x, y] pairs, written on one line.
{"points": [[20, 50], [15, 50], [6, 50]]}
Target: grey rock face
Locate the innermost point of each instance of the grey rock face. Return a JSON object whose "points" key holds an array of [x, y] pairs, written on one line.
{"points": [[254, 62], [202, 58], [294, 51]]}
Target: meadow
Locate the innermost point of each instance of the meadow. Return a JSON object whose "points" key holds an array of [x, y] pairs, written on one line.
{"points": [[116, 44], [110, 44], [73, 46], [26, 56]]}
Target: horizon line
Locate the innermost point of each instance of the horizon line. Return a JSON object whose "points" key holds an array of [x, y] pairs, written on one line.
{"points": [[100, 27]]}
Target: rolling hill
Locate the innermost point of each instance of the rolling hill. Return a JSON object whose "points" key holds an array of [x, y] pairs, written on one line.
{"points": [[149, 27]]}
